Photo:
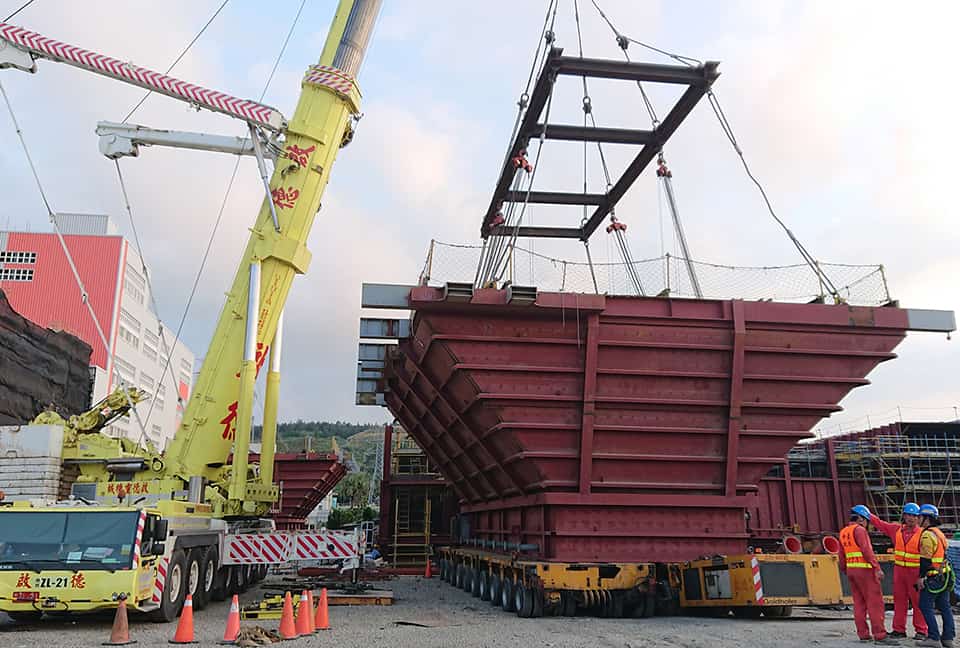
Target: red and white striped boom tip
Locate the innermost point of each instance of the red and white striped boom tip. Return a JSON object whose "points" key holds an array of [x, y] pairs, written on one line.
{"points": [[42, 47]]}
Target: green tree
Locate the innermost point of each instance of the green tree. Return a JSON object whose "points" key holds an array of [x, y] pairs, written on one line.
{"points": [[353, 489]]}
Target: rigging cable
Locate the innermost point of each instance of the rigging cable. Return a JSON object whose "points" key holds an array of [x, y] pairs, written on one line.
{"points": [[689, 61], [490, 254], [22, 7], [84, 296], [616, 228], [177, 60], [223, 204]]}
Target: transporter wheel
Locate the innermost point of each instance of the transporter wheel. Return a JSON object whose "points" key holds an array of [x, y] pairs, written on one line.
{"points": [[568, 604], [467, 585], [667, 601], [750, 612], [615, 605], [523, 601], [475, 575], [443, 569], [536, 596], [194, 575], [23, 618], [493, 585], [174, 589], [506, 595], [209, 558], [777, 611], [484, 586], [222, 584], [458, 577]]}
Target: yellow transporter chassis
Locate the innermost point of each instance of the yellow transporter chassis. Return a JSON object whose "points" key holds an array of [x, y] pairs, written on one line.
{"points": [[748, 585]]}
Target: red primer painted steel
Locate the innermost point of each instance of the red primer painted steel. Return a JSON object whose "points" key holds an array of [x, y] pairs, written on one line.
{"points": [[52, 299], [305, 480], [620, 428]]}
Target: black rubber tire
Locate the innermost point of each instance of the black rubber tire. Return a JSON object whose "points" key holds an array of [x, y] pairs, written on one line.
{"points": [[568, 604], [493, 585], [208, 576], [443, 569], [458, 577], [506, 595], [467, 585], [537, 596], [243, 578], [484, 586], [235, 580], [748, 612], [174, 589], [25, 618], [194, 575], [475, 575], [616, 606], [523, 601], [777, 611], [222, 584]]}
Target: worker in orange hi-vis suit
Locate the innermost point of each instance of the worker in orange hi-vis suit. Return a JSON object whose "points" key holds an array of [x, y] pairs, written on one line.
{"points": [[859, 563], [906, 569]]}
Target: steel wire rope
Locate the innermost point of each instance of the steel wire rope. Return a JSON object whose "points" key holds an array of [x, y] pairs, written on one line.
{"points": [[21, 8], [178, 59], [220, 211], [622, 244], [84, 295], [714, 102], [496, 248]]}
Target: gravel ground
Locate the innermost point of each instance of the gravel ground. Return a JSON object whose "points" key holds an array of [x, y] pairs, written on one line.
{"points": [[454, 618]]}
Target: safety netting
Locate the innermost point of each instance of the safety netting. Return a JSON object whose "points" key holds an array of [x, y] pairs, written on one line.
{"points": [[863, 285]]}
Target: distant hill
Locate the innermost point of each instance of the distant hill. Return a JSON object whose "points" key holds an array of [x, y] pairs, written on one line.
{"points": [[358, 440]]}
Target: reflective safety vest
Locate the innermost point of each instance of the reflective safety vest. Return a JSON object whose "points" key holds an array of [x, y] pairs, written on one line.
{"points": [[851, 549], [907, 554], [940, 553]]}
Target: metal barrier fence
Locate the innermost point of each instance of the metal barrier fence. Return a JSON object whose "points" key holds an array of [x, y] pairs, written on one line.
{"points": [[863, 285]]}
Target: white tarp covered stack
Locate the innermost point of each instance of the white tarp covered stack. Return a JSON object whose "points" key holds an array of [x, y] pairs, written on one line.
{"points": [[30, 458]]}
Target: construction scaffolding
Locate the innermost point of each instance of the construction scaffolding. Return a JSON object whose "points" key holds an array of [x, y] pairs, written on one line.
{"points": [[901, 468]]}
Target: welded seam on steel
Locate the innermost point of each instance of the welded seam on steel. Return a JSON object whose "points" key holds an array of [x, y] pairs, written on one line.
{"points": [[41, 46], [477, 470], [736, 396]]}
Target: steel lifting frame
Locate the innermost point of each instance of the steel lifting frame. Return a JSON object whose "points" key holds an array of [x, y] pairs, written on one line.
{"points": [[698, 80]]}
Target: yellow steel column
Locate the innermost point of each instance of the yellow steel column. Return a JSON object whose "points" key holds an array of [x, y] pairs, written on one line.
{"points": [[248, 378], [268, 440]]}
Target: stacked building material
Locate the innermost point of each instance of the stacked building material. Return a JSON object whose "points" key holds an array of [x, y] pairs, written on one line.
{"points": [[30, 457], [40, 369]]}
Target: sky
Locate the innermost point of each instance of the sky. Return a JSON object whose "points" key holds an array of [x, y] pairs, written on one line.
{"points": [[845, 111]]}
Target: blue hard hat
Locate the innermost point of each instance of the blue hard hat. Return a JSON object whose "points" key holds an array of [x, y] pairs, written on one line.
{"points": [[862, 511], [911, 508], [930, 509]]}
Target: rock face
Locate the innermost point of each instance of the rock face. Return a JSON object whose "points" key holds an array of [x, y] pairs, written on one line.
{"points": [[40, 369]]}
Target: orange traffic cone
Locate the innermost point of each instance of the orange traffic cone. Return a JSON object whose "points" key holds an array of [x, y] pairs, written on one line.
{"points": [[310, 612], [323, 619], [120, 632], [303, 624], [233, 622], [287, 628], [428, 571], [184, 633]]}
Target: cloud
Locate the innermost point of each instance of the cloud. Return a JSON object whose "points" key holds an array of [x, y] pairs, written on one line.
{"points": [[844, 112]]}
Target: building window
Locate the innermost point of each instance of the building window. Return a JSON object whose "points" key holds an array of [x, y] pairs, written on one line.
{"points": [[16, 274], [185, 378], [130, 329], [147, 383], [149, 351], [156, 433], [124, 371], [161, 395], [133, 292], [186, 366], [13, 256]]}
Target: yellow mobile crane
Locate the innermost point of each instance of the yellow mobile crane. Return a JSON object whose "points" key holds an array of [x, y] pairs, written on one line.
{"points": [[152, 527]]}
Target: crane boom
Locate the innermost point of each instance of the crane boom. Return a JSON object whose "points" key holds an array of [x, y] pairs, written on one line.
{"points": [[218, 416], [27, 46]]}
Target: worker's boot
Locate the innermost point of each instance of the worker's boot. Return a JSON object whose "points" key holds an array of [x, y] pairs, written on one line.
{"points": [[887, 641], [946, 643], [928, 642]]}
